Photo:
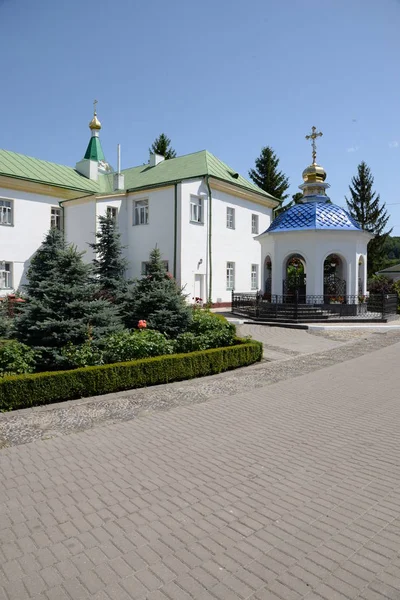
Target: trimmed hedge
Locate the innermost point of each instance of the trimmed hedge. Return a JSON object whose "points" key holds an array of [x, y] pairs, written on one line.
{"points": [[23, 391]]}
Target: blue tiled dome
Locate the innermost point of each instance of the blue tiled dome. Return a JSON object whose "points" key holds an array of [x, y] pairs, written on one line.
{"points": [[314, 215]]}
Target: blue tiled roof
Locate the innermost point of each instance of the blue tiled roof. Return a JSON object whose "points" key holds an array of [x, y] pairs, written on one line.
{"points": [[314, 215]]}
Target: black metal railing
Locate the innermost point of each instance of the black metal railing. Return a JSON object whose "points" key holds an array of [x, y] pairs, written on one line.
{"points": [[298, 306]]}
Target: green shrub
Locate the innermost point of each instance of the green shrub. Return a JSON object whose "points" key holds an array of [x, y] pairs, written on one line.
{"points": [[205, 321], [131, 345], [190, 342], [15, 358], [21, 391], [86, 355]]}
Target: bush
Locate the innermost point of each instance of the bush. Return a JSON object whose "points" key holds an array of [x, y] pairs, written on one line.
{"points": [[86, 355], [21, 391], [15, 358], [130, 345]]}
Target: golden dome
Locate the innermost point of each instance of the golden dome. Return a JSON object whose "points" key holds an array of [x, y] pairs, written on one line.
{"points": [[95, 123], [314, 174]]}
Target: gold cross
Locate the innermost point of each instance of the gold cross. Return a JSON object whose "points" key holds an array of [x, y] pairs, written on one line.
{"points": [[313, 137], [94, 107]]}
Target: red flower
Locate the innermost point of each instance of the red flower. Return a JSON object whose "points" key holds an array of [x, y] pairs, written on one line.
{"points": [[142, 324]]}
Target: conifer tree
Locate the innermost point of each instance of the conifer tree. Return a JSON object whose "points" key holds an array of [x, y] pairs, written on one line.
{"points": [[61, 306], [366, 208], [157, 299], [44, 262], [267, 176], [162, 145], [108, 265]]}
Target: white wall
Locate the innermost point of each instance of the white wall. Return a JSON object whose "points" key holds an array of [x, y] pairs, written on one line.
{"points": [[141, 239], [228, 245], [80, 224], [31, 222]]}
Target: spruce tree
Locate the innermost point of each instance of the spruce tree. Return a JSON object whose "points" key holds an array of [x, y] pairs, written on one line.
{"points": [[267, 176], [109, 266], [44, 262], [366, 208], [162, 145], [157, 299], [62, 307], [296, 198]]}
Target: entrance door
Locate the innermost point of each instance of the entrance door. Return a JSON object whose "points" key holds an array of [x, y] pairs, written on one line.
{"points": [[199, 287]]}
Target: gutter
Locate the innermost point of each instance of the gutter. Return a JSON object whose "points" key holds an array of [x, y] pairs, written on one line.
{"points": [[175, 225], [49, 183], [209, 298]]}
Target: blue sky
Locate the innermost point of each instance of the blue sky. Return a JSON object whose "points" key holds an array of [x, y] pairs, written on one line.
{"points": [[230, 76]]}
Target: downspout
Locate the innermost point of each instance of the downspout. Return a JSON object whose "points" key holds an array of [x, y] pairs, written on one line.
{"points": [[175, 226], [209, 299]]}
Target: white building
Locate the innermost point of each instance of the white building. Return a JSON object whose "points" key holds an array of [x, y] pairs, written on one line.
{"points": [[315, 252], [203, 216]]}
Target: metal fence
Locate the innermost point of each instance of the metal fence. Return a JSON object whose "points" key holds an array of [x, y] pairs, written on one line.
{"points": [[300, 307]]}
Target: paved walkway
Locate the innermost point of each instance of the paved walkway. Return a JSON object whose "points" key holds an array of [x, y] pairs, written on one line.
{"points": [[285, 491]]}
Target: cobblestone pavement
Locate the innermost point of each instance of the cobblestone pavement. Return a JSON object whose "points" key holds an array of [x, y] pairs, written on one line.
{"points": [[78, 415], [275, 491]]}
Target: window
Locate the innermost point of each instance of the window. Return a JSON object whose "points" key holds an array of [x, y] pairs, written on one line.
{"points": [[145, 267], [254, 277], [6, 212], [230, 218], [196, 210], [56, 218], [5, 275], [141, 212], [112, 212], [230, 275], [254, 223]]}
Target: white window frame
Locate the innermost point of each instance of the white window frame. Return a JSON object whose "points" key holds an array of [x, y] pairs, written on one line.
{"points": [[230, 275], [196, 210], [254, 277], [113, 212], [230, 217], [255, 223], [56, 218], [6, 276], [145, 264], [6, 212], [141, 211]]}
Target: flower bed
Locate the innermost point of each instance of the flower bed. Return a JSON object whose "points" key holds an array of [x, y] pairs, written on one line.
{"points": [[22, 391]]}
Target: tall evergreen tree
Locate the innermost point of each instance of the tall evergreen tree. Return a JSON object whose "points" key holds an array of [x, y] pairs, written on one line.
{"points": [[44, 262], [267, 176], [157, 299], [109, 266], [61, 307], [366, 208], [162, 145]]}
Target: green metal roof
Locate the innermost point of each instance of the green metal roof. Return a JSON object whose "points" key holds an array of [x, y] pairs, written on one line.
{"points": [[42, 171], [94, 150], [190, 166], [392, 269]]}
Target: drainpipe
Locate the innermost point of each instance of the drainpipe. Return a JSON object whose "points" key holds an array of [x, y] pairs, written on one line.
{"points": [[175, 226], [209, 299]]}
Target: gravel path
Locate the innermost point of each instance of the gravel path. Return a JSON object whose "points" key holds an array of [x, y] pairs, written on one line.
{"points": [[45, 422]]}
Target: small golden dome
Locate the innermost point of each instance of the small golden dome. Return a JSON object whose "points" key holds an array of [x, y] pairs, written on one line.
{"points": [[95, 123], [314, 173]]}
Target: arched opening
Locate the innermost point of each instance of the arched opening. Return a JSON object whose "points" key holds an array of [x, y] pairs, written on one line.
{"points": [[295, 279], [334, 280], [267, 278]]}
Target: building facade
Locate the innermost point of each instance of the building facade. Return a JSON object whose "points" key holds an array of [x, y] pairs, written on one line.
{"points": [[201, 214]]}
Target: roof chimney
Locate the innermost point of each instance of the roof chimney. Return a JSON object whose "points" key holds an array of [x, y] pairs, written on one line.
{"points": [[119, 179], [155, 159]]}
